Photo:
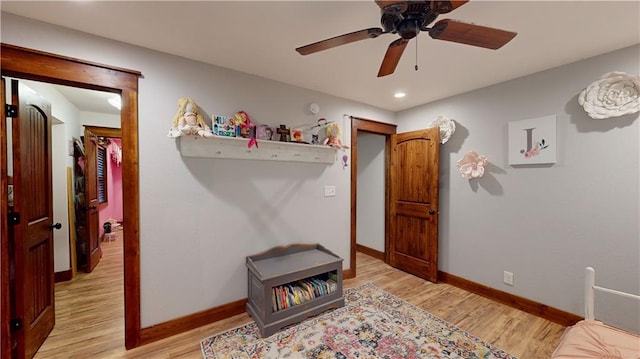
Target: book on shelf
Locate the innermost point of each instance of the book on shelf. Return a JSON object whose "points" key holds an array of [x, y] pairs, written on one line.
{"points": [[298, 292]]}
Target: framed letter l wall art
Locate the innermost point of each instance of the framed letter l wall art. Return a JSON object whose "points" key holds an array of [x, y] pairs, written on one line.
{"points": [[532, 141]]}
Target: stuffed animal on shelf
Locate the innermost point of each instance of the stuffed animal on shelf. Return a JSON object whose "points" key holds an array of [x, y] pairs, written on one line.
{"points": [[188, 121], [333, 136], [245, 127], [243, 124]]}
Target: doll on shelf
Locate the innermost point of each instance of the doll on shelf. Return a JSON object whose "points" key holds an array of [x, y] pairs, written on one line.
{"points": [[188, 121], [333, 136]]}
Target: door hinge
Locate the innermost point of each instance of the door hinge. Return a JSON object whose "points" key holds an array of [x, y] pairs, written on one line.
{"points": [[14, 218], [10, 110], [16, 324]]}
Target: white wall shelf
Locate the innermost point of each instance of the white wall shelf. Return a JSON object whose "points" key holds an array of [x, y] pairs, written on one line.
{"points": [[232, 147]]}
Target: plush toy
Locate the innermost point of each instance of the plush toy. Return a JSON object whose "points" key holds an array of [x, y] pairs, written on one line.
{"points": [[243, 121], [333, 136], [188, 121], [315, 131]]}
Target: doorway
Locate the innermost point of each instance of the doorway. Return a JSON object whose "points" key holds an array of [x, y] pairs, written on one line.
{"points": [[22, 63], [360, 126], [371, 194], [411, 198], [73, 110]]}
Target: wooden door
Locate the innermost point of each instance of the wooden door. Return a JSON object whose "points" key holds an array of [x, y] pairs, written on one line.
{"points": [[413, 246], [32, 237], [5, 294], [93, 250]]}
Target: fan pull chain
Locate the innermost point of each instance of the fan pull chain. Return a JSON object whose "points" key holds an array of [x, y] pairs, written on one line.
{"points": [[416, 53]]}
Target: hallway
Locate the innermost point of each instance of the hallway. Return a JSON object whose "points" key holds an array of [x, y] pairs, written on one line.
{"points": [[90, 310]]}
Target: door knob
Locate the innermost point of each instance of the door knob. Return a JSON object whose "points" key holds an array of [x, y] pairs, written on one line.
{"points": [[55, 226], [432, 212]]}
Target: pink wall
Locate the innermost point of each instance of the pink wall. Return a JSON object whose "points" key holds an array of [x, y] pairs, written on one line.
{"points": [[114, 187]]}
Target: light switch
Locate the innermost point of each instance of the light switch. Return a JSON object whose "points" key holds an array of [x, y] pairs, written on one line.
{"points": [[329, 191]]}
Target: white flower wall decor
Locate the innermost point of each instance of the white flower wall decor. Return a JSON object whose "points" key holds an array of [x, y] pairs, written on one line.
{"points": [[472, 165], [614, 94], [447, 127]]}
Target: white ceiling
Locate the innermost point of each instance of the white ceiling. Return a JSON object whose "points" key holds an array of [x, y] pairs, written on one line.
{"points": [[89, 100], [259, 37]]}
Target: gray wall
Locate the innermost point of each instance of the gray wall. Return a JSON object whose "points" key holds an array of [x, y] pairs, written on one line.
{"points": [[200, 217], [544, 223]]}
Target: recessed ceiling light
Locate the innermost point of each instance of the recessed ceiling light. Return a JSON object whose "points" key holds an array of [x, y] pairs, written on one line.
{"points": [[399, 95]]}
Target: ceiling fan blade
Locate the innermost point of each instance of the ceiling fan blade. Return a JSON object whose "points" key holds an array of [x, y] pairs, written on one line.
{"points": [[392, 57], [470, 34], [340, 40], [443, 7]]}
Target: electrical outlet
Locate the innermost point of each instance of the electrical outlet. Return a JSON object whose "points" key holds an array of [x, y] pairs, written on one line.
{"points": [[508, 278], [329, 191]]}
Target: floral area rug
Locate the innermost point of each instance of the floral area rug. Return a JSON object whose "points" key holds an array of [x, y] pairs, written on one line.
{"points": [[372, 324]]}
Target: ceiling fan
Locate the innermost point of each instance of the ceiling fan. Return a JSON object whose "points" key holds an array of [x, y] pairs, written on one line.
{"points": [[407, 19]]}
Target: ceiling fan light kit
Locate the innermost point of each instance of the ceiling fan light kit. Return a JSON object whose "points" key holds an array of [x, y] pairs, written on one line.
{"points": [[407, 19]]}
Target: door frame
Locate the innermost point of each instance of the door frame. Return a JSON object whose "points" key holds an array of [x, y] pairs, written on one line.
{"points": [[29, 64], [379, 128], [100, 132]]}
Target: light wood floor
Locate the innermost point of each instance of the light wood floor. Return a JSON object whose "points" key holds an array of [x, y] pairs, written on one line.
{"points": [[90, 319]]}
